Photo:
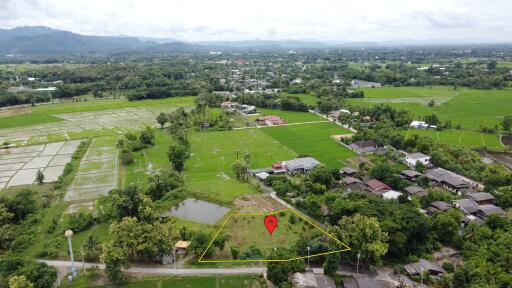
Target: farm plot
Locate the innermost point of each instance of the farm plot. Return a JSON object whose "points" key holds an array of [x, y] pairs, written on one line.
{"points": [[208, 172], [19, 166], [468, 108], [97, 173], [315, 140], [463, 138], [76, 125]]}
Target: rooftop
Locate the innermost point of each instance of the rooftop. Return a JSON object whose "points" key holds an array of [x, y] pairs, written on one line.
{"points": [[305, 162], [417, 155], [481, 196], [182, 244], [377, 185]]}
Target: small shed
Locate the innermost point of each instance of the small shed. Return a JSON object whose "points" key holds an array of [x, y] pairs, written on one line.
{"points": [[181, 247]]}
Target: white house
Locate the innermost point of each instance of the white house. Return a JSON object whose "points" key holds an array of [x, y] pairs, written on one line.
{"points": [[418, 124], [413, 158]]}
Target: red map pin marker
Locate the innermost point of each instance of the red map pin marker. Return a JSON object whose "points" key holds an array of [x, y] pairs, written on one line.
{"points": [[271, 223]]}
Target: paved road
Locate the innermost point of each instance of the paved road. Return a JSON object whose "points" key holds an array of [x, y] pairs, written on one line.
{"points": [[287, 124], [63, 265]]}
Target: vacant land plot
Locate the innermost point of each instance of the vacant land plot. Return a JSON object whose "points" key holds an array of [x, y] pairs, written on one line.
{"points": [[19, 166], [306, 98], [97, 173], [80, 124], [208, 172], [290, 116], [235, 281], [314, 140], [468, 139], [46, 113], [469, 108], [246, 231]]}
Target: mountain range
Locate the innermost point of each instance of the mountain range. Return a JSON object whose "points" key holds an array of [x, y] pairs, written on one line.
{"points": [[41, 40]]}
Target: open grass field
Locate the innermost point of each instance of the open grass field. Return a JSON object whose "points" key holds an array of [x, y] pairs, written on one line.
{"points": [[290, 116], [470, 108], [46, 113], [306, 98], [147, 161], [234, 281], [314, 140], [247, 230], [467, 139], [208, 172]]}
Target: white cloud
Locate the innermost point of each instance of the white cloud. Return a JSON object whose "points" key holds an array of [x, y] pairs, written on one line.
{"points": [[341, 20]]}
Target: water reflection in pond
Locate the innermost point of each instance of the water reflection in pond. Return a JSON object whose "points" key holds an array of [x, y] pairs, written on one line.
{"points": [[198, 211]]}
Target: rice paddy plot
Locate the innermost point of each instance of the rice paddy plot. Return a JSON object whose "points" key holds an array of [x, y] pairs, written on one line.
{"points": [[19, 166], [97, 173], [463, 138], [208, 172], [78, 123], [315, 140]]}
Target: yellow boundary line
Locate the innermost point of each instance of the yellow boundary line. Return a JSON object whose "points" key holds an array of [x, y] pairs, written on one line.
{"points": [[271, 260]]}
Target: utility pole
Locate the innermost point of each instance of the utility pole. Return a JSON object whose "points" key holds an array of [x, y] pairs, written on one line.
{"points": [[309, 249], [68, 235], [357, 269], [421, 277], [83, 259]]}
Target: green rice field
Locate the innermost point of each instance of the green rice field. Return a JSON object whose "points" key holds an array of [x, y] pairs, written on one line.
{"points": [[314, 140], [46, 113], [466, 107], [468, 139]]}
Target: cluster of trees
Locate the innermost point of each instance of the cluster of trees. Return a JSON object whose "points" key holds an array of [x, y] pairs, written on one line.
{"points": [[133, 142], [273, 101], [19, 98], [19, 273]]}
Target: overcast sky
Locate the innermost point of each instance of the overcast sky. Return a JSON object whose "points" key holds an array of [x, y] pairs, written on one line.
{"points": [[327, 20]]}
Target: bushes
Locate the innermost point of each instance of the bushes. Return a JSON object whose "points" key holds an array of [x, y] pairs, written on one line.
{"points": [[80, 221], [66, 177], [40, 274]]}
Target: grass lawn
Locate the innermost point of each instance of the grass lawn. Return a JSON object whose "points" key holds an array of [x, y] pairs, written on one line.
{"points": [[314, 140], [409, 92], [470, 108], [208, 172], [290, 116], [244, 231], [306, 98], [147, 160], [45, 113], [232, 281], [468, 139]]}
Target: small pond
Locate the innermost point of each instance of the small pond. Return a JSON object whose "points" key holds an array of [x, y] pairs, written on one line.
{"points": [[198, 211]]}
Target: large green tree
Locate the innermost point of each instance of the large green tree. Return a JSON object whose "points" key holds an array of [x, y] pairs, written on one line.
{"points": [[363, 235], [177, 154]]}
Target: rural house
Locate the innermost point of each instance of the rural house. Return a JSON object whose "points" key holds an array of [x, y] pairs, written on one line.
{"points": [[467, 206], [355, 184], [424, 265], [362, 147], [482, 198], [413, 158], [438, 206], [270, 120], [416, 190], [301, 165], [484, 211], [447, 180], [377, 186], [418, 124], [348, 171], [410, 175]]}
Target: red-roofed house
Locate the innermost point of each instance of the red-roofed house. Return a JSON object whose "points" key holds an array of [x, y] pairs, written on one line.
{"points": [[377, 186], [270, 120], [279, 167]]}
